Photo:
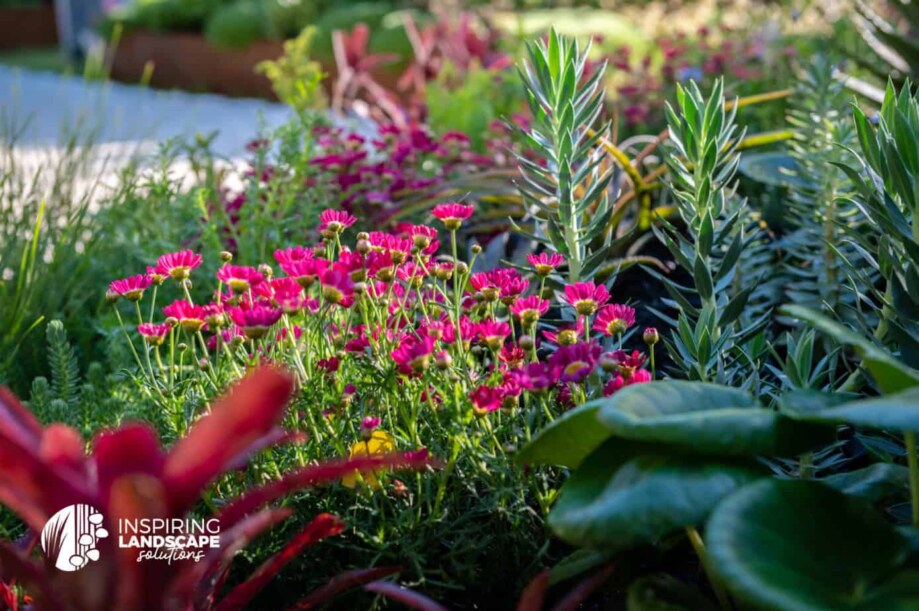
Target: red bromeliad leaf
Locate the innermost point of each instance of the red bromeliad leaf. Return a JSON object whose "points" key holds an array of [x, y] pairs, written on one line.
{"points": [[313, 475], [341, 583], [129, 450], [409, 598], [535, 593], [40, 472], [206, 578], [234, 428], [324, 525]]}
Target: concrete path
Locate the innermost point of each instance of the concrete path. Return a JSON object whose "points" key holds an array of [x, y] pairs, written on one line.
{"points": [[125, 117]]}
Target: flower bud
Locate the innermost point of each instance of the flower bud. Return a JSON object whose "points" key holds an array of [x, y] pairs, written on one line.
{"points": [[226, 256], [443, 360], [462, 268], [112, 296], [608, 362], [527, 342], [475, 249], [363, 236], [265, 270], [204, 364], [182, 346], [651, 336]]}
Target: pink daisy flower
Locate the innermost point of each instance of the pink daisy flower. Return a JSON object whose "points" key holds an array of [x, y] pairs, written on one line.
{"points": [[614, 319], [292, 254], [574, 363], [493, 333], [452, 214], [413, 354], [529, 309], [305, 271], [334, 222], [485, 399], [566, 335], [178, 264], [190, 316], [154, 334], [240, 278], [337, 287], [545, 263], [586, 297], [255, 320], [132, 288]]}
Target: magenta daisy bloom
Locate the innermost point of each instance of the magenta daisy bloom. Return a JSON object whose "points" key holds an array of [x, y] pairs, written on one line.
{"points": [[131, 288], [179, 264], [574, 363], [566, 335], [614, 319], [255, 320], [306, 271], [536, 377], [240, 278], [154, 334], [337, 287], [413, 354], [333, 222], [292, 254], [529, 309], [452, 215], [485, 399], [586, 297], [189, 316], [493, 333], [545, 263]]}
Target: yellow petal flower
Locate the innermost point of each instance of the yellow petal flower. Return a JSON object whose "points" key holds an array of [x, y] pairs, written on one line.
{"points": [[380, 443]]}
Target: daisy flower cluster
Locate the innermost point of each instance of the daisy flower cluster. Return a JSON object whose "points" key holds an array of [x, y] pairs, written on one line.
{"points": [[383, 328]]}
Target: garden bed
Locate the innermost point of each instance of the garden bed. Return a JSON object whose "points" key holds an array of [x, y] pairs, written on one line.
{"points": [[183, 60], [27, 27]]}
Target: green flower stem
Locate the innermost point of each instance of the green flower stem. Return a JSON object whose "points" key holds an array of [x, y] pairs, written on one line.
{"points": [[696, 540], [130, 341], [912, 459]]}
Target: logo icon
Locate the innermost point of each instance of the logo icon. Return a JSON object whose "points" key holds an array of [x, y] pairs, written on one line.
{"points": [[69, 538]]}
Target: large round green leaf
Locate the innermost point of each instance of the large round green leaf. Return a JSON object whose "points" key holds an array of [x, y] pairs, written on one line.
{"points": [[707, 418], [873, 483], [802, 546], [627, 494], [567, 440], [897, 412]]}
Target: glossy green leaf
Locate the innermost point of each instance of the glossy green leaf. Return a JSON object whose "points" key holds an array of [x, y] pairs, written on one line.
{"points": [[802, 546], [627, 494], [890, 374], [567, 440], [873, 483], [896, 412], [706, 418]]}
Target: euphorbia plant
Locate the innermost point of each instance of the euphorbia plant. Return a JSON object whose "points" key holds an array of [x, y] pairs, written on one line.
{"points": [[129, 476]]}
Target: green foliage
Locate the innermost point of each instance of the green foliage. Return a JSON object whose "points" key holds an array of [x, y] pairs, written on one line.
{"points": [[715, 336], [567, 197], [891, 37], [814, 249], [238, 25], [765, 539], [86, 404], [473, 104], [295, 76], [886, 179]]}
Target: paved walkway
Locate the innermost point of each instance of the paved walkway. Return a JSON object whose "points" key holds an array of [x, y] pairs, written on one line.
{"points": [[125, 117]]}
